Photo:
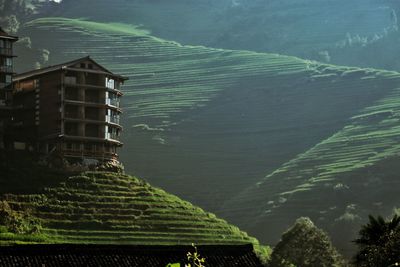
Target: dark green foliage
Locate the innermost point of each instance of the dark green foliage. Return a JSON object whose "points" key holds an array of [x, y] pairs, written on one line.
{"points": [[10, 24], [305, 245], [111, 166], [18, 222], [21, 174], [379, 243], [14, 7]]}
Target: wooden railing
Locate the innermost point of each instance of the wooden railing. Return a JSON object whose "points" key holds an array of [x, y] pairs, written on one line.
{"points": [[88, 153], [6, 51], [8, 69]]}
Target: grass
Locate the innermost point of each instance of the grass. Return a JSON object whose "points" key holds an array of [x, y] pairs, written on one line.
{"points": [[133, 212]]}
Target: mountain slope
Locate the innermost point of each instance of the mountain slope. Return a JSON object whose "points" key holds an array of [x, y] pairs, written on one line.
{"points": [[211, 119], [207, 123], [337, 182], [111, 208], [359, 33]]}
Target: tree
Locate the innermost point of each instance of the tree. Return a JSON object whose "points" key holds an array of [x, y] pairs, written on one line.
{"points": [[307, 246], [10, 24], [379, 243]]}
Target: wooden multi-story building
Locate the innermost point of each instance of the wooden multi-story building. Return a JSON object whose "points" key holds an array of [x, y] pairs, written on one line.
{"points": [[6, 72], [70, 110]]}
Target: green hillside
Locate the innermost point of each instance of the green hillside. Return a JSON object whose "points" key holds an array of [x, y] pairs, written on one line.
{"points": [[360, 33], [212, 117], [207, 123], [108, 208], [338, 182]]}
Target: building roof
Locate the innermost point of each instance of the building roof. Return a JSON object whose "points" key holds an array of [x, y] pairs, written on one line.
{"points": [[4, 34], [66, 65], [114, 255]]}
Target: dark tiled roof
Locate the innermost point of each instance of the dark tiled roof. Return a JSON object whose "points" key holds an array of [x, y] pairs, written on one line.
{"points": [[32, 73], [114, 255]]}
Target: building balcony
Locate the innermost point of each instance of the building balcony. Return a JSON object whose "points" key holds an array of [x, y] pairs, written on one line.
{"points": [[94, 100], [88, 100], [6, 69], [94, 139], [5, 86], [87, 85], [113, 119], [85, 119], [89, 104], [89, 154], [113, 102], [112, 136], [6, 52]]}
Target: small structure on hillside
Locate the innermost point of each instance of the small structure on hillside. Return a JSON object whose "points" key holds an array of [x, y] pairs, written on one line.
{"points": [[69, 111], [6, 72]]}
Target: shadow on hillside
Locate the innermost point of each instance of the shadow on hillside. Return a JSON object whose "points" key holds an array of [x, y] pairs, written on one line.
{"points": [[21, 173]]}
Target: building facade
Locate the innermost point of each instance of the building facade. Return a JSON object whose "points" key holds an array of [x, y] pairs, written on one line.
{"points": [[71, 110], [6, 73]]}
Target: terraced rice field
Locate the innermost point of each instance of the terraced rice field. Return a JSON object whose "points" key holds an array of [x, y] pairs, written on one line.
{"points": [[358, 33], [354, 169], [165, 78], [207, 123], [107, 208]]}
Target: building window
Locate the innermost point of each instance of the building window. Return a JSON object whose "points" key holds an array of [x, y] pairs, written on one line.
{"points": [[92, 130], [77, 146], [90, 66], [68, 146], [83, 65], [113, 133], [110, 83], [88, 147], [5, 79], [27, 85], [7, 44], [70, 79], [9, 62], [71, 129]]}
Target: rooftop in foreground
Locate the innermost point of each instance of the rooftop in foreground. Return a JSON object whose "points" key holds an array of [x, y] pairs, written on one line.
{"points": [[112, 255]]}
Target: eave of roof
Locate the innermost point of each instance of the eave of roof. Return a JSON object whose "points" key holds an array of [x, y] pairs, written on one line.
{"points": [[65, 66], [4, 34]]}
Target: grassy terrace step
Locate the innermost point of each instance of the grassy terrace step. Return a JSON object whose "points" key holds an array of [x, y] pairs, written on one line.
{"points": [[120, 231], [120, 220]]}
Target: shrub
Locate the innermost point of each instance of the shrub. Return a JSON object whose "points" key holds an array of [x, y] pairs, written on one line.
{"points": [[111, 166], [305, 245], [379, 243], [19, 223]]}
